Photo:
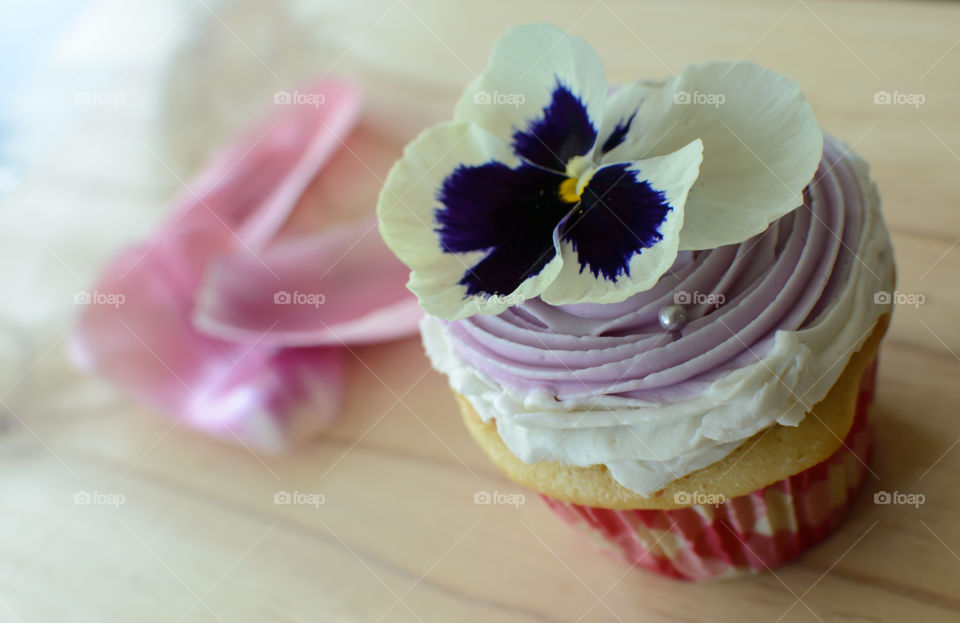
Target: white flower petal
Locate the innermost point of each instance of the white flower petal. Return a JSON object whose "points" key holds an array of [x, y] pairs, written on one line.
{"points": [[407, 210], [761, 147], [673, 175], [522, 76], [622, 112]]}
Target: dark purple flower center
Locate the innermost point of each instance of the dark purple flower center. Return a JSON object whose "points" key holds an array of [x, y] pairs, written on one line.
{"points": [[617, 217], [511, 214], [564, 132]]}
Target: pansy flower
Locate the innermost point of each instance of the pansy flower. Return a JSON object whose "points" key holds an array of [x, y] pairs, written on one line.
{"points": [[548, 183]]}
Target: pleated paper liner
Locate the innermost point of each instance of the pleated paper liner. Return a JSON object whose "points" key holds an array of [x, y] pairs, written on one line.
{"points": [[749, 533]]}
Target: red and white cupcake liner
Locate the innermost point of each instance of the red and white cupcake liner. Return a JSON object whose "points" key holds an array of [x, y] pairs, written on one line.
{"points": [[749, 533]]}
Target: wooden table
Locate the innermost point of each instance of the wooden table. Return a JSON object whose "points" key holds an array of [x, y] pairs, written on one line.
{"points": [[198, 536]]}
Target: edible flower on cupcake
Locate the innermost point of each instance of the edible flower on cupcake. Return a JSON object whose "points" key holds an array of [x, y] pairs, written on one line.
{"points": [[548, 183]]}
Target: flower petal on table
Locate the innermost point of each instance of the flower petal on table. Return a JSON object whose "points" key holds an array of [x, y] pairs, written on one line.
{"points": [[340, 286], [251, 394], [761, 147], [248, 392], [625, 232], [253, 184], [249, 189], [462, 212], [543, 92]]}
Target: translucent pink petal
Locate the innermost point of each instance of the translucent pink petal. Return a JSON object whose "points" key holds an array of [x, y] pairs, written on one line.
{"points": [[251, 390], [250, 393], [253, 185], [340, 286]]}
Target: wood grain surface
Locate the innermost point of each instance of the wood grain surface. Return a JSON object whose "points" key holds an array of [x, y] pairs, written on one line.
{"points": [[198, 535]]}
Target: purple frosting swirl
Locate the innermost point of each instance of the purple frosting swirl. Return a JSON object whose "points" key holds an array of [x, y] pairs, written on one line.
{"points": [[782, 279]]}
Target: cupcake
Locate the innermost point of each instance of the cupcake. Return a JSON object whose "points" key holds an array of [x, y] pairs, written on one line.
{"points": [[659, 305]]}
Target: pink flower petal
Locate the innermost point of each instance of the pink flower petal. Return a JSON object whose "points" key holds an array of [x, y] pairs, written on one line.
{"points": [[247, 393], [253, 389], [252, 186], [340, 286]]}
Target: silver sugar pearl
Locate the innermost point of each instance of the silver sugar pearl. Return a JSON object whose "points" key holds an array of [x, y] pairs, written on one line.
{"points": [[672, 317]]}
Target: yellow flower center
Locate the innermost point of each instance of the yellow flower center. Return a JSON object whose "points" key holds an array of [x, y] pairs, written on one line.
{"points": [[578, 175], [568, 190]]}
